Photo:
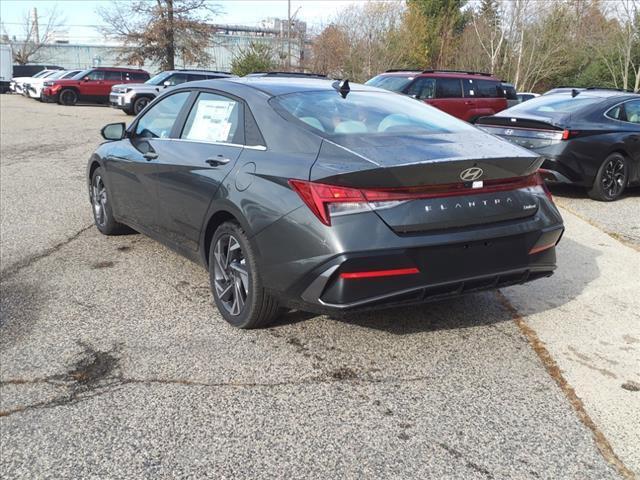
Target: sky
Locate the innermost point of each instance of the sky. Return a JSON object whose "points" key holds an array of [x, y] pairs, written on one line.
{"points": [[80, 17]]}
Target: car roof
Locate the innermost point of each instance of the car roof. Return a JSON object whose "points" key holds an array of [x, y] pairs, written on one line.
{"points": [[596, 93], [283, 85], [440, 74], [204, 72], [118, 69]]}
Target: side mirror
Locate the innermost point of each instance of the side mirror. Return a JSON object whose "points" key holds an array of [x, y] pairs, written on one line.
{"points": [[85, 79], [166, 83], [113, 131]]}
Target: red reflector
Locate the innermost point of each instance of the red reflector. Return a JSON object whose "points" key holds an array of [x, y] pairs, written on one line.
{"points": [[541, 248], [566, 134], [380, 273]]}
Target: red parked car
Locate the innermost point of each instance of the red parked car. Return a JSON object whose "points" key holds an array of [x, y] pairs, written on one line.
{"points": [[92, 85], [466, 95]]}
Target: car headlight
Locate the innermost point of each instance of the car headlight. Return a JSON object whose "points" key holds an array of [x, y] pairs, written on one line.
{"points": [[48, 84]]}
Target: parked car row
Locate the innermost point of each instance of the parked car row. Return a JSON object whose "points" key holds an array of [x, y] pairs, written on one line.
{"points": [[587, 137]]}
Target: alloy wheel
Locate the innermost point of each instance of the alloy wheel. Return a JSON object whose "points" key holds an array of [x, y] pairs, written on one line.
{"points": [[613, 177], [231, 274], [99, 200]]}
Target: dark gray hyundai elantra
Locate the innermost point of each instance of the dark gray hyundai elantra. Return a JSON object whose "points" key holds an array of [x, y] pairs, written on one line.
{"points": [[324, 196]]}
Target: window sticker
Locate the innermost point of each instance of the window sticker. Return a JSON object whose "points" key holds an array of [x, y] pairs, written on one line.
{"points": [[212, 121]]}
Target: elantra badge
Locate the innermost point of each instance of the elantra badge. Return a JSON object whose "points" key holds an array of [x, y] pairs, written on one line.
{"points": [[471, 174]]}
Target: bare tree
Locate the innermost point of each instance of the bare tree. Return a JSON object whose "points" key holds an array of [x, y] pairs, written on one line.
{"points": [[617, 44], [161, 30], [38, 30]]}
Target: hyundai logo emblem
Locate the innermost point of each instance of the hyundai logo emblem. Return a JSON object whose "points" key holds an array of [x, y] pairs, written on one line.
{"points": [[471, 174], [508, 132]]}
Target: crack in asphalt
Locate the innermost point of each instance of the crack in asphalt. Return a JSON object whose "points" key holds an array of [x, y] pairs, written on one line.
{"points": [[459, 455], [27, 262], [97, 372], [554, 371]]}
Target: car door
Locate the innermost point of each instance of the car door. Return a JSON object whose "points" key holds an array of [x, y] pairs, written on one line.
{"points": [[132, 166], [91, 85], [209, 143], [449, 99], [111, 78]]}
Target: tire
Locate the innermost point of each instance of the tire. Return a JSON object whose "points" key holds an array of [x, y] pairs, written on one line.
{"points": [[611, 179], [68, 96], [233, 273], [101, 207], [139, 104]]}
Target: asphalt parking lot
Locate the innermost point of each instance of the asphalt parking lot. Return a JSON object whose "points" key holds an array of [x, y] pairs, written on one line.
{"points": [[115, 364]]}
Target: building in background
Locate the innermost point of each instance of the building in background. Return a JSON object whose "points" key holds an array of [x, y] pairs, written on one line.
{"points": [[226, 43]]}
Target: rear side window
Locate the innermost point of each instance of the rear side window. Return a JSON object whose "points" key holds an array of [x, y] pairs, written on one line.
{"points": [[510, 92], [135, 76], [112, 76], [632, 111], [448, 88], [488, 89], [159, 120], [215, 118]]}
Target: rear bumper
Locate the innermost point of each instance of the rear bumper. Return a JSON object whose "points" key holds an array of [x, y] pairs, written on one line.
{"points": [[434, 272]]}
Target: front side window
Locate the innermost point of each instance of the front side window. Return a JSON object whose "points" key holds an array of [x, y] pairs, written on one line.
{"points": [[632, 111], [422, 88], [214, 118], [176, 79], [96, 75], [159, 120], [361, 112], [448, 88]]}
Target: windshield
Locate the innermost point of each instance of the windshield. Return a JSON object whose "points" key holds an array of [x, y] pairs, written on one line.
{"points": [[553, 105], [70, 74], [373, 113], [58, 74], [393, 83], [158, 79]]}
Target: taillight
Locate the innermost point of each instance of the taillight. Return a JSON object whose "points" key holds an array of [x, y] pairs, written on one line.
{"points": [[567, 134], [326, 201]]}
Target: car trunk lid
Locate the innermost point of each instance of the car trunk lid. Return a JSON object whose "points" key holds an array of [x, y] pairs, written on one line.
{"points": [[419, 183]]}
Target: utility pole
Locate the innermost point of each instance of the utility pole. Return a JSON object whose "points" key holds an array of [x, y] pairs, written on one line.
{"points": [[36, 28], [288, 35]]}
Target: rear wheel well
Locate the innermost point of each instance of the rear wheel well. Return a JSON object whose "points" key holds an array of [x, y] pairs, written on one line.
{"points": [[215, 221]]}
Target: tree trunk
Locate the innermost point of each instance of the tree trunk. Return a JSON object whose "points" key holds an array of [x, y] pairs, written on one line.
{"points": [[171, 47]]}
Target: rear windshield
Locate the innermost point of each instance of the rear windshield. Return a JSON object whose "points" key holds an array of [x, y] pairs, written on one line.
{"points": [[373, 113], [554, 105], [394, 83]]}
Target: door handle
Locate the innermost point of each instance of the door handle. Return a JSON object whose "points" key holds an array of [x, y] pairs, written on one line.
{"points": [[217, 161], [150, 155]]}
